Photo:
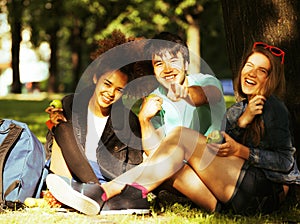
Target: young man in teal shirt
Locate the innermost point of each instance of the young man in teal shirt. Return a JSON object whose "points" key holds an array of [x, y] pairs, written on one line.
{"points": [[190, 100]]}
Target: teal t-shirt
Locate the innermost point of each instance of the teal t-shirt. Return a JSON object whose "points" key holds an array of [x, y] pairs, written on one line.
{"points": [[204, 119]]}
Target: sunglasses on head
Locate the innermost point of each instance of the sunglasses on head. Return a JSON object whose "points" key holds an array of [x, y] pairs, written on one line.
{"points": [[274, 50]]}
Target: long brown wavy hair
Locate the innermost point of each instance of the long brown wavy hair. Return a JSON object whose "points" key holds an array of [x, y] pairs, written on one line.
{"points": [[275, 85]]}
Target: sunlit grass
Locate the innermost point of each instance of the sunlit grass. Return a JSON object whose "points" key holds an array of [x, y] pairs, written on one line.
{"points": [[173, 214], [28, 109], [30, 112], [229, 100]]}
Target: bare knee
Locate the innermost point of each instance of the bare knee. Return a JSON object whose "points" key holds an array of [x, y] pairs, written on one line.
{"points": [[176, 132]]}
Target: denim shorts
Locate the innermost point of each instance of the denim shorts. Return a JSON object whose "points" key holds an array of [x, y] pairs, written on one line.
{"points": [[97, 172], [254, 193]]}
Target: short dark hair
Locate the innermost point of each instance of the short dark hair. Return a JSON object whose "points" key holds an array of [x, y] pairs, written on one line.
{"points": [[171, 43]]}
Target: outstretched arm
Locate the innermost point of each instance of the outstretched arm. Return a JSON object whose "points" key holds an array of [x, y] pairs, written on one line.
{"points": [[202, 95]]}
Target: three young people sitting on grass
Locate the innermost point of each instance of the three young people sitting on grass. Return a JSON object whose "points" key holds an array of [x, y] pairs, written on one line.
{"points": [[173, 125]]}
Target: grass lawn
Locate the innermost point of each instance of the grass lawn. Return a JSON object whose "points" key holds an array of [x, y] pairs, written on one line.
{"points": [[30, 109]]}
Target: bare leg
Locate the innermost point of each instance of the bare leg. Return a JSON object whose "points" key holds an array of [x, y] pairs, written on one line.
{"points": [[165, 162], [188, 183], [219, 174]]}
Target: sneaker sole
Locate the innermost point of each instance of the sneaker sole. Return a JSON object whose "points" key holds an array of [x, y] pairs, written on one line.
{"points": [[125, 212], [66, 195]]}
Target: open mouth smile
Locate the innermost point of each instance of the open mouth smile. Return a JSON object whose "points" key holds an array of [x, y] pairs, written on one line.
{"points": [[250, 82], [107, 100], [170, 77]]}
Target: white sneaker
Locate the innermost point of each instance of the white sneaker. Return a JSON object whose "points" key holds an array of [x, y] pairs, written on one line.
{"points": [[64, 193]]}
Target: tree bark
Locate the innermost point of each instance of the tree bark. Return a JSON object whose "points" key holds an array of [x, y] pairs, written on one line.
{"points": [[52, 81], [15, 15], [193, 42], [52, 29], [275, 22], [76, 40]]}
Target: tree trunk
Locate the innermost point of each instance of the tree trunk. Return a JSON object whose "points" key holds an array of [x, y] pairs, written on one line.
{"points": [[15, 15], [52, 81], [76, 40], [275, 22], [54, 15], [193, 42]]}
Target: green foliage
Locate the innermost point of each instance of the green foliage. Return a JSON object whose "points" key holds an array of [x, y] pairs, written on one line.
{"points": [[78, 24]]}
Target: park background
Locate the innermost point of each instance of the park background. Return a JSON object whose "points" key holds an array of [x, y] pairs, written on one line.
{"points": [[63, 34], [45, 45]]}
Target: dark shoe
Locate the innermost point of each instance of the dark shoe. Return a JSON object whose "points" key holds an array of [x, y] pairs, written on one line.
{"points": [[131, 200], [91, 190], [84, 196], [63, 192]]}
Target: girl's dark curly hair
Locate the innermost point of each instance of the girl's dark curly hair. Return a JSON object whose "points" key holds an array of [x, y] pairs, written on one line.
{"points": [[116, 38], [110, 62]]}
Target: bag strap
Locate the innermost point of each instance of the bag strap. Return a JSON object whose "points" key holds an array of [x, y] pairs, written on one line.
{"points": [[11, 187], [12, 136]]}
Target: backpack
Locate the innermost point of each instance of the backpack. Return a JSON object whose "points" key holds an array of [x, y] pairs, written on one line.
{"points": [[22, 163]]}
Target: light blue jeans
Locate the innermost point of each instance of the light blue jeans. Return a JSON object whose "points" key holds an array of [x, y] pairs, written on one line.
{"points": [[97, 171]]}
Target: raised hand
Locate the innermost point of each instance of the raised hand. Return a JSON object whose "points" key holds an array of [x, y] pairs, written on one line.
{"points": [[255, 107], [150, 106], [177, 92]]}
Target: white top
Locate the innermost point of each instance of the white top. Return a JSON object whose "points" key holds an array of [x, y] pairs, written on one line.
{"points": [[95, 127]]}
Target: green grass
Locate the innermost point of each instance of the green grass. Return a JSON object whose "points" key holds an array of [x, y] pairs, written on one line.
{"points": [[27, 111], [30, 109], [173, 214]]}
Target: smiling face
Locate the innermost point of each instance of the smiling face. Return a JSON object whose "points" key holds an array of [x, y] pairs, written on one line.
{"points": [[255, 74], [109, 88], [169, 68]]}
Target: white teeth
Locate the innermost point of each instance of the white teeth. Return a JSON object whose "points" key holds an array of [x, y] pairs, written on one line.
{"points": [[250, 81], [106, 99], [170, 77]]}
